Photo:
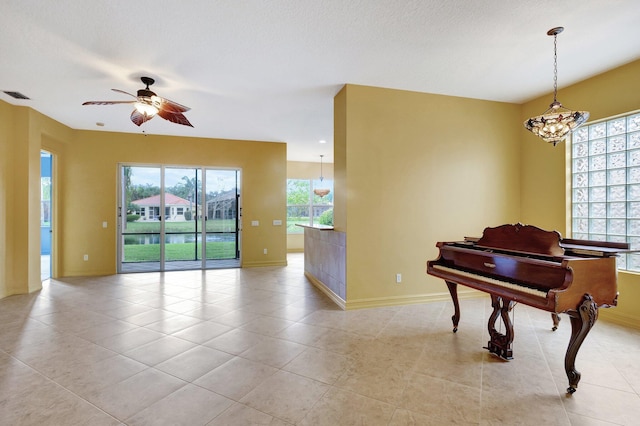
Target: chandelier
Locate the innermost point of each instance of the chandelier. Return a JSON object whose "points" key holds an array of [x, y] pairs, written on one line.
{"points": [[554, 124], [321, 192]]}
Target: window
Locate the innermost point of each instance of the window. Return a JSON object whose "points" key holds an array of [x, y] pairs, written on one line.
{"points": [[45, 201], [306, 208], [605, 184]]}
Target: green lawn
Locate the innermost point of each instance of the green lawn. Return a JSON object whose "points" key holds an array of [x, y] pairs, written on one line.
{"points": [[150, 252], [291, 224], [184, 251]]}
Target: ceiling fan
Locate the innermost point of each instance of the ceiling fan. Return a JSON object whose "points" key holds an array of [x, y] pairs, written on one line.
{"points": [[148, 104]]}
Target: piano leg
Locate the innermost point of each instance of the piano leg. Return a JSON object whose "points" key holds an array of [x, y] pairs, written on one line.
{"points": [[453, 290], [582, 321], [500, 344], [556, 321]]}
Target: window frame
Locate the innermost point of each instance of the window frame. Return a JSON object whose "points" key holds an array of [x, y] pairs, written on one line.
{"points": [[312, 205]]}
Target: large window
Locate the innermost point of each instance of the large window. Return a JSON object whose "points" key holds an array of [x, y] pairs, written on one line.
{"points": [[306, 207], [605, 183]]}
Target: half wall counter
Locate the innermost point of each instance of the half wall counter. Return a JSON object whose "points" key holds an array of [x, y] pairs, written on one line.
{"points": [[325, 261]]}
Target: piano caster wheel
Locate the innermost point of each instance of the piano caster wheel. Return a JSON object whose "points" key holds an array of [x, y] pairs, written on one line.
{"points": [[455, 329], [571, 390], [554, 328]]}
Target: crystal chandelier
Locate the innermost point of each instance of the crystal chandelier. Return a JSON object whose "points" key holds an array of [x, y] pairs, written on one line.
{"points": [[554, 124]]}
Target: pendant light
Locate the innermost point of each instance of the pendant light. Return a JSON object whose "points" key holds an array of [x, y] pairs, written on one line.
{"points": [[321, 192], [554, 124]]}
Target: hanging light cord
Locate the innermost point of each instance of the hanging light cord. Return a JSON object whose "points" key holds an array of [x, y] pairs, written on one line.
{"points": [[554, 32], [555, 68]]}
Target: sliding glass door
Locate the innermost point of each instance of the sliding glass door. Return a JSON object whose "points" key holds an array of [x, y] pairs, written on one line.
{"points": [[182, 220], [176, 218], [221, 216], [140, 221]]}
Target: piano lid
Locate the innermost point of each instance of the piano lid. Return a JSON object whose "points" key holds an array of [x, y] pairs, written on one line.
{"points": [[595, 248], [533, 240]]}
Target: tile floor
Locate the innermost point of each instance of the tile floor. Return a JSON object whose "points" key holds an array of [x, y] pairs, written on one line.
{"points": [[261, 346]]}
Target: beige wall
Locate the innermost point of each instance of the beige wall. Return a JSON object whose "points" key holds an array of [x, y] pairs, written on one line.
{"points": [[21, 133], [340, 160], [304, 170], [6, 193], [85, 173], [544, 185], [544, 190], [412, 169]]}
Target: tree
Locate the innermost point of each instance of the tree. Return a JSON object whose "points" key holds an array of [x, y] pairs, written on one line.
{"points": [[298, 191], [185, 189], [127, 173], [139, 192]]}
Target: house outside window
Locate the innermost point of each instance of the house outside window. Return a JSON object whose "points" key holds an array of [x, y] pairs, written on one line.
{"points": [[307, 208], [605, 184]]}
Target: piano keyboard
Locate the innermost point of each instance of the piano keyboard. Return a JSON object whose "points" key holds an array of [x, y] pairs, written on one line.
{"points": [[505, 284]]}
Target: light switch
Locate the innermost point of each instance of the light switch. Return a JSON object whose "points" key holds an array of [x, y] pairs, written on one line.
{"points": [[104, 224], [277, 222]]}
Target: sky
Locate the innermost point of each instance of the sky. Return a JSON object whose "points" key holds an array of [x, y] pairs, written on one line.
{"points": [[217, 180]]}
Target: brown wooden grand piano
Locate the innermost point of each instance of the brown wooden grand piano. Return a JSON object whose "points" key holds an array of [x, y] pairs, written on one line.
{"points": [[525, 264]]}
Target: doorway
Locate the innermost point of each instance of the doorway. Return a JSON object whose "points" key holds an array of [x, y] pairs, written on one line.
{"points": [[178, 218], [46, 209]]}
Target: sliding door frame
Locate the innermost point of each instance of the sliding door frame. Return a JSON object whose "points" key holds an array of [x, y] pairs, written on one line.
{"points": [[199, 215]]}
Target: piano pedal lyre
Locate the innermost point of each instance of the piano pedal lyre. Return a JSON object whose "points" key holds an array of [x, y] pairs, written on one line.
{"points": [[500, 344]]}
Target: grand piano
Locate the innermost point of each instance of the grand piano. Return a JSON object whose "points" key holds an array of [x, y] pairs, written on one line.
{"points": [[525, 264]]}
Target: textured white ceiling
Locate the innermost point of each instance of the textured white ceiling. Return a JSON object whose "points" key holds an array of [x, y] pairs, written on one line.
{"points": [[268, 69]]}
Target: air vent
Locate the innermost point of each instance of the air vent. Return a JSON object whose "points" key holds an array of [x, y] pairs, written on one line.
{"points": [[16, 95]]}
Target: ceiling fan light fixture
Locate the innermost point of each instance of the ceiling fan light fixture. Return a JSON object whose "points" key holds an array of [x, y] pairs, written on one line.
{"points": [[554, 124], [146, 109]]}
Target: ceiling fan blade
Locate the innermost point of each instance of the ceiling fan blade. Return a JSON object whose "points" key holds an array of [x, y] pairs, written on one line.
{"points": [[172, 107], [138, 118], [107, 102], [177, 118], [126, 93]]}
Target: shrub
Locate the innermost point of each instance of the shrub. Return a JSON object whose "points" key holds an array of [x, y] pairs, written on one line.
{"points": [[326, 218], [132, 217], [187, 215]]}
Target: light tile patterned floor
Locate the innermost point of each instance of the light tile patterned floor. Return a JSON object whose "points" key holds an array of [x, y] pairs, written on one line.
{"points": [[261, 346]]}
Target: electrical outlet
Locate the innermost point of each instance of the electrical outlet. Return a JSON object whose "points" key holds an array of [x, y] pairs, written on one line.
{"points": [[255, 223], [265, 251], [398, 278], [86, 257]]}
